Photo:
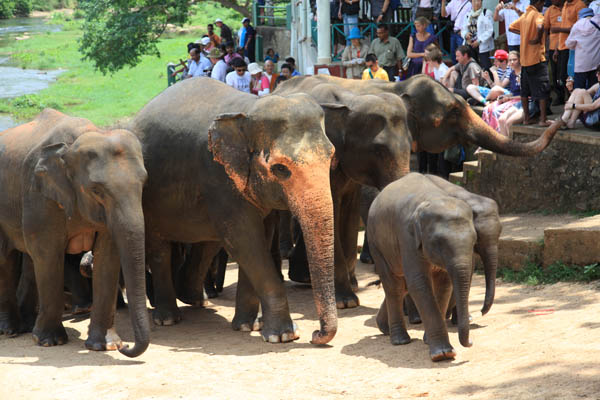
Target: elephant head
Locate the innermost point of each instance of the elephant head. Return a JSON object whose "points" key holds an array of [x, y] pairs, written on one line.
{"points": [[439, 119], [278, 157], [443, 229], [369, 132], [99, 177]]}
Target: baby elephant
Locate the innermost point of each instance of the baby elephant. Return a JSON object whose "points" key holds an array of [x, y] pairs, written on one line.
{"points": [[422, 238]]}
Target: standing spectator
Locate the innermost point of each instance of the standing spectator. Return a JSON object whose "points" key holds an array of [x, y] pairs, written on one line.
{"points": [[381, 11], [478, 32], [585, 40], [429, 9], [292, 63], [215, 40], [466, 72], [226, 35], [510, 12], [348, 13], [417, 44], [353, 57], [219, 70], [552, 19], [248, 39], [595, 6], [568, 17], [373, 70], [271, 55], [586, 101], [433, 65], [388, 50], [197, 65], [239, 78], [457, 10], [270, 75], [534, 75]]}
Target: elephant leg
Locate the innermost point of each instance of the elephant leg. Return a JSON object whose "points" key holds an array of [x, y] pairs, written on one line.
{"points": [[246, 305], [272, 234], [105, 283], [158, 256], [9, 276], [411, 310], [382, 318], [286, 242], [27, 296], [191, 277], [78, 285], [217, 272], [418, 281], [345, 235], [298, 261], [367, 195], [442, 287]]}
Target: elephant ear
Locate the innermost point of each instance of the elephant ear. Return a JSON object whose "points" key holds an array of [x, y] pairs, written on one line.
{"points": [[230, 147], [336, 116], [51, 177], [417, 231]]}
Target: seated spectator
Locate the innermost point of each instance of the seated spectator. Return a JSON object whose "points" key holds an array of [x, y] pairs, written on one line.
{"points": [[388, 50], [584, 38], [279, 79], [259, 84], [270, 75], [507, 110], [500, 70], [241, 52], [204, 43], [585, 104], [478, 32], [219, 70], [286, 71], [373, 70], [433, 64], [496, 86], [466, 72], [239, 78], [292, 63], [197, 65], [230, 54], [215, 40], [417, 44], [271, 55], [353, 57]]}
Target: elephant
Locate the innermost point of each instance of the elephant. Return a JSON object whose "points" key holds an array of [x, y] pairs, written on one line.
{"points": [[422, 239], [70, 187], [217, 166], [437, 120]]}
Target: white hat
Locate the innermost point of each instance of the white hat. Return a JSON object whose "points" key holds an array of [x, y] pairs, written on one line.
{"points": [[245, 19], [205, 41], [254, 68], [218, 20]]}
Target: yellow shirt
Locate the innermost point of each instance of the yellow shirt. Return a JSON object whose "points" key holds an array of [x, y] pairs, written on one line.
{"points": [[380, 74], [569, 15], [552, 19], [527, 25]]}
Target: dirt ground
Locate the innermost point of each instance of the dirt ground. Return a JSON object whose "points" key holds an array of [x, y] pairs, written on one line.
{"points": [[536, 343]]}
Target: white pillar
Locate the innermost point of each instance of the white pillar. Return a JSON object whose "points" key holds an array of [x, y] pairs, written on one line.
{"points": [[324, 32]]}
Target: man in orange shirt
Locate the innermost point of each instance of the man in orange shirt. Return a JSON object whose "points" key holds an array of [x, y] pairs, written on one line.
{"points": [[552, 19], [569, 15], [534, 71]]}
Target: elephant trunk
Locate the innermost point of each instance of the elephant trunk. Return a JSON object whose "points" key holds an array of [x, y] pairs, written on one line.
{"points": [[314, 209], [489, 256], [461, 280], [128, 233], [483, 135]]}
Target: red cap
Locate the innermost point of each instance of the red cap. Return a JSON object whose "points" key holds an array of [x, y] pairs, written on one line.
{"points": [[500, 55]]}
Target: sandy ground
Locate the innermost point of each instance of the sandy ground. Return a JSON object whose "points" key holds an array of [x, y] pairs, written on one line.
{"points": [[517, 354]]}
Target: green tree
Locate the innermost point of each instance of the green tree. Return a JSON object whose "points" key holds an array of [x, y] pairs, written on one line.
{"points": [[7, 8], [23, 7], [117, 33]]}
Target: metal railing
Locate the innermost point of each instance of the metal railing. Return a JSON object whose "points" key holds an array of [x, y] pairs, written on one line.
{"points": [[272, 13]]}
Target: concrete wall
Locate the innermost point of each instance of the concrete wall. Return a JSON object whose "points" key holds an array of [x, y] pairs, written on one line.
{"points": [[277, 38]]}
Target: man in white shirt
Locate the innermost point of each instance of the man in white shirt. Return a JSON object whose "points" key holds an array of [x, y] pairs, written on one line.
{"points": [[457, 10], [219, 71], [197, 65], [510, 12], [239, 78]]}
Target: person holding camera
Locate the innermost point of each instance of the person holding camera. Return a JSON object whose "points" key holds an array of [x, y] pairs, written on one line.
{"points": [[509, 12]]}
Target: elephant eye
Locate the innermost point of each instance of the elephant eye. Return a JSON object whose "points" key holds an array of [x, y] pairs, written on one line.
{"points": [[281, 171]]}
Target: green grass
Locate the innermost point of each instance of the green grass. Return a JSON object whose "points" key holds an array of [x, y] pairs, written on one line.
{"points": [[534, 274], [84, 92]]}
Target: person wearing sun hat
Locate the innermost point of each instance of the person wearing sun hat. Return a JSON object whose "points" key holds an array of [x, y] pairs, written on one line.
{"points": [[584, 38], [219, 70], [353, 57], [258, 85]]}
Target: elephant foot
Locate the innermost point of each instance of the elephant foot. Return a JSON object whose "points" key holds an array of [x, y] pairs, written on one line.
{"points": [[164, 316], [382, 320], [78, 309], [346, 300], [211, 292], [50, 336], [354, 283], [98, 342], [366, 258], [193, 299], [280, 335], [251, 326], [414, 319], [9, 326], [441, 353], [399, 336]]}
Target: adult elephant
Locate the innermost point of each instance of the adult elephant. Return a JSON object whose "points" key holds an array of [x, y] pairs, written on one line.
{"points": [[218, 162], [437, 120], [69, 187]]}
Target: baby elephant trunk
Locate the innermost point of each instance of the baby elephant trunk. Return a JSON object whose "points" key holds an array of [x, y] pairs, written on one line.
{"points": [[461, 280]]}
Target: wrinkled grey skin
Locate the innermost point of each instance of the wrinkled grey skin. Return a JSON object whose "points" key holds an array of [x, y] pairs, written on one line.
{"points": [[422, 239], [70, 187]]}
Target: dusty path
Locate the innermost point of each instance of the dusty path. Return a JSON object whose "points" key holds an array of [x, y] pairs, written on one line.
{"points": [[517, 354]]}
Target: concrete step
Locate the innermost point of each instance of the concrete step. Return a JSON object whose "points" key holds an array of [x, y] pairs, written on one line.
{"points": [[577, 242], [458, 178]]}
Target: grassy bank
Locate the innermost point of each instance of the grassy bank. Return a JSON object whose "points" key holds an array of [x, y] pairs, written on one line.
{"points": [[83, 92]]}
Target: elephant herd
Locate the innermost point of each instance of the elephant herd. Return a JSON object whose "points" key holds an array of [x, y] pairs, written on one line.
{"points": [[207, 165]]}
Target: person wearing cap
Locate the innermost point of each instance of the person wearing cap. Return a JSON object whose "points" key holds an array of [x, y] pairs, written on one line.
{"points": [[585, 40], [239, 78], [496, 87], [353, 57], [204, 45], [248, 39], [534, 76], [499, 71], [226, 35], [219, 70]]}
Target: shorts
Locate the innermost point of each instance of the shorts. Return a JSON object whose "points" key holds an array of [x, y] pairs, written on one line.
{"points": [[484, 91], [535, 82]]}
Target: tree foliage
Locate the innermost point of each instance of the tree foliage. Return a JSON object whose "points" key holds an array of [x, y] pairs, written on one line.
{"points": [[117, 33]]}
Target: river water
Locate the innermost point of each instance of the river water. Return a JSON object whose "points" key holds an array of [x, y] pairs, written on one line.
{"points": [[14, 81]]}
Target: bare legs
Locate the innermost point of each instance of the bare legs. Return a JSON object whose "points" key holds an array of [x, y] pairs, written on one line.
{"points": [[508, 118], [578, 96]]}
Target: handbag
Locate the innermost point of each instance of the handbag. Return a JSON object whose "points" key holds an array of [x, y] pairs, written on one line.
{"points": [[406, 62]]}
